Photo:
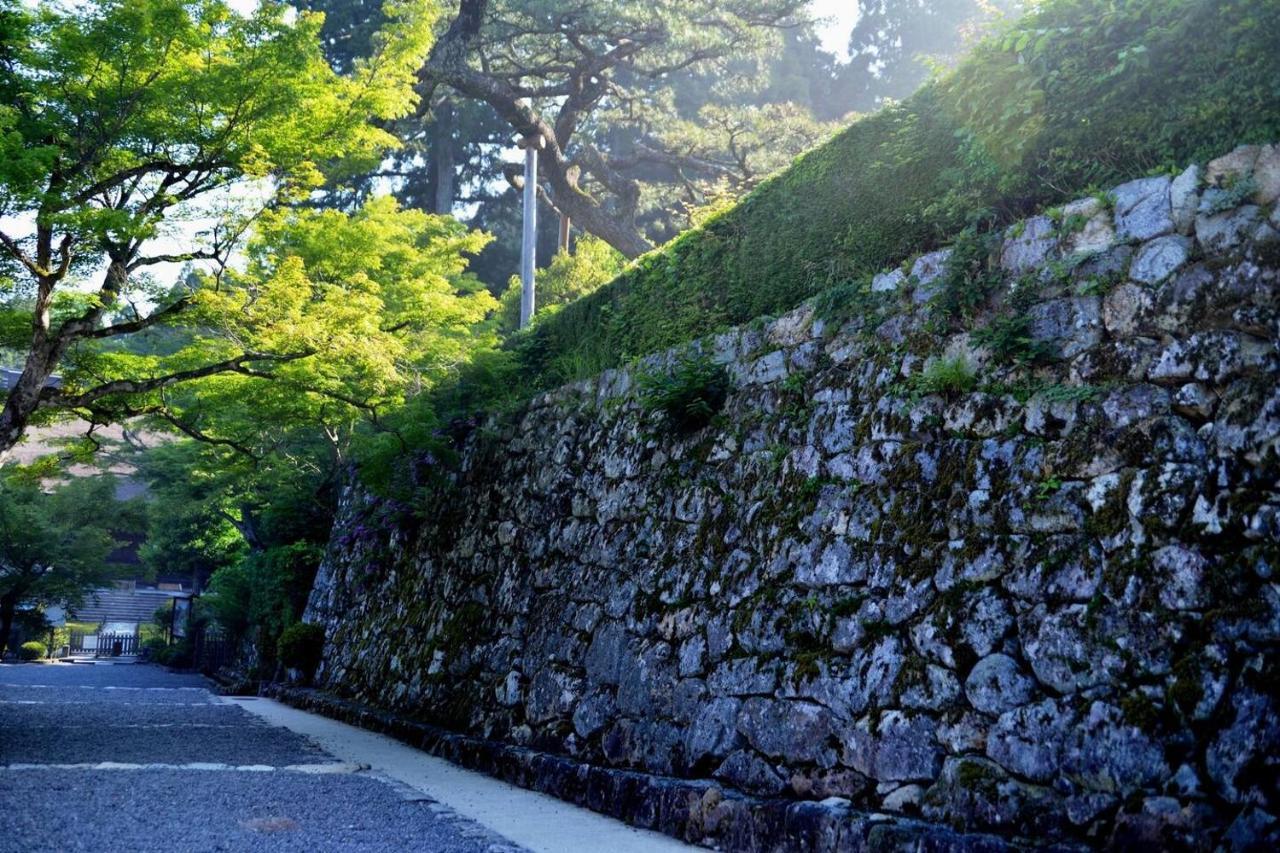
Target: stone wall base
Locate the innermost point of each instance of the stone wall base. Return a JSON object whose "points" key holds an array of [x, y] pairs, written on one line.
{"points": [[697, 811]]}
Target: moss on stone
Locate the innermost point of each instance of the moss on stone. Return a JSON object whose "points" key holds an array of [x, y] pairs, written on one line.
{"points": [[1141, 713], [1186, 691], [978, 778]]}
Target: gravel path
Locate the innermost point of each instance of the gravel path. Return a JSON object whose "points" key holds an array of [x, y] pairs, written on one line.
{"points": [[167, 751]]}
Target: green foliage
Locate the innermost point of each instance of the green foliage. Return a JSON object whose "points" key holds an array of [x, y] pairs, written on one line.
{"points": [[1235, 192], [214, 117], [301, 646], [54, 546], [180, 655], [969, 277], [1011, 342], [32, 651], [1071, 393], [592, 263], [948, 376], [688, 394], [1079, 93], [259, 596]]}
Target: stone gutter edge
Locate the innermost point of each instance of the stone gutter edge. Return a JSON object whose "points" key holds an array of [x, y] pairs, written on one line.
{"points": [[696, 811]]}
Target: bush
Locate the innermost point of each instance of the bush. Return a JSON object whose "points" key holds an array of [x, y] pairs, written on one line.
{"points": [[689, 394], [180, 655], [32, 651], [1078, 93], [301, 647], [568, 277], [153, 647]]}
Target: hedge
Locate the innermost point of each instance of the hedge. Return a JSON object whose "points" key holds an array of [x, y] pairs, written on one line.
{"points": [[1080, 93]]}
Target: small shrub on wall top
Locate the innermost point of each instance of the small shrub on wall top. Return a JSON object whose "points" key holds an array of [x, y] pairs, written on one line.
{"points": [[300, 647], [31, 651], [689, 394]]}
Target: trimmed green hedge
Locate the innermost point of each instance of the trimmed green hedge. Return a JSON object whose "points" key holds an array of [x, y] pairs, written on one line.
{"points": [[1080, 93], [301, 647]]}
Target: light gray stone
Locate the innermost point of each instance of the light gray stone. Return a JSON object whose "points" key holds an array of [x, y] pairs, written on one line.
{"points": [[1160, 258], [1028, 244], [1266, 175], [927, 273], [935, 690], [1143, 210], [713, 732], [1050, 417], [767, 369], [836, 564], [888, 282], [1064, 653], [796, 732], [1031, 740], [1214, 357], [902, 748], [1253, 735], [1112, 755], [1236, 165], [604, 660], [1071, 324], [1184, 198], [1219, 233], [1195, 400], [748, 772], [996, 684], [904, 799], [973, 791], [1181, 574], [593, 713], [1124, 309], [1095, 236]]}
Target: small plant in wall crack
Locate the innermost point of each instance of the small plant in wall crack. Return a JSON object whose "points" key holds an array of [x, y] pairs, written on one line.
{"points": [[946, 376], [688, 394]]}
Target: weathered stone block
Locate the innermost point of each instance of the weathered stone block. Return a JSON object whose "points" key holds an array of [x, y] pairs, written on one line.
{"points": [[1184, 199], [1028, 244], [997, 684], [1143, 209], [1071, 324], [901, 748], [1162, 257]]}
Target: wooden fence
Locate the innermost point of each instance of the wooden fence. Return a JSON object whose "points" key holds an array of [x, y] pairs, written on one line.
{"points": [[104, 645], [213, 648]]}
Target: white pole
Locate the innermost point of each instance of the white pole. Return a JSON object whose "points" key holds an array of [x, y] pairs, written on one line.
{"points": [[528, 247]]}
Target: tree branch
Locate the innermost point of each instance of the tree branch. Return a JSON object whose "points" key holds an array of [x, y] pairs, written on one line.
{"points": [[143, 322], [15, 250], [62, 399]]}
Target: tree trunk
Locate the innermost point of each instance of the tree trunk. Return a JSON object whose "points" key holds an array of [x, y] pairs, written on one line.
{"points": [[24, 397], [8, 605], [442, 151]]}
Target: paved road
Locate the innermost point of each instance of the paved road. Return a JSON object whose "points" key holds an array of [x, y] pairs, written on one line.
{"points": [[131, 758]]}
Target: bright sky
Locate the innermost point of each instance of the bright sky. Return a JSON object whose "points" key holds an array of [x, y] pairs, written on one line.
{"points": [[838, 18]]}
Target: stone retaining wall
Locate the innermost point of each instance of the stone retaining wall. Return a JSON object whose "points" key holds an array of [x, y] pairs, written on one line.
{"points": [[1019, 582]]}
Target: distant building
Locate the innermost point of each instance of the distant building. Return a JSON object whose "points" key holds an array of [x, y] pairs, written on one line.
{"points": [[126, 607]]}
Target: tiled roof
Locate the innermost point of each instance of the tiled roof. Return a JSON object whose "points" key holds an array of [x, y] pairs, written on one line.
{"points": [[123, 605]]}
